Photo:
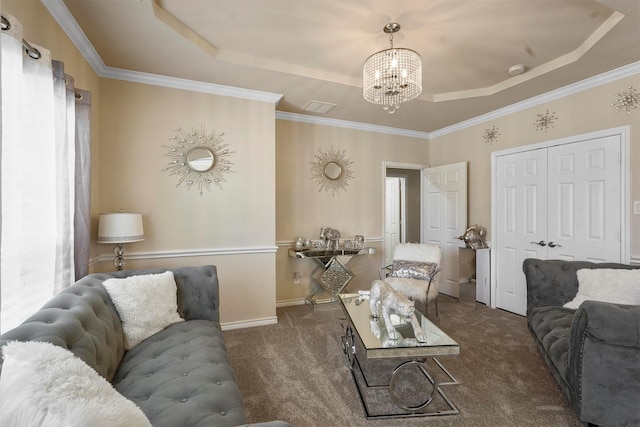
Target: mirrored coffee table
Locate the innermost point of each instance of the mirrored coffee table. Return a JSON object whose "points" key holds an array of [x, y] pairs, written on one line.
{"points": [[396, 378]]}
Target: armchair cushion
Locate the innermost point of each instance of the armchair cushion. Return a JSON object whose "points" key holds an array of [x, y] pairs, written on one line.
{"points": [[413, 269]]}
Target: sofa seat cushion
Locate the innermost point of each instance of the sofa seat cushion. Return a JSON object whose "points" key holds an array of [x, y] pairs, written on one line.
{"points": [[181, 376], [551, 327]]}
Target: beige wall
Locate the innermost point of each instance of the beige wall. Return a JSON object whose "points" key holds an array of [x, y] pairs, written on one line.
{"points": [[580, 113], [301, 209], [232, 227]]}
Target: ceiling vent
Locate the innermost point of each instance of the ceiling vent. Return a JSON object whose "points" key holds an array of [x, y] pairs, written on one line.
{"points": [[319, 107]]}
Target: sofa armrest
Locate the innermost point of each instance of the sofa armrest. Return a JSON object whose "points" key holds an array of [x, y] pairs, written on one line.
{"points": [[604, 363], [613, 324]]}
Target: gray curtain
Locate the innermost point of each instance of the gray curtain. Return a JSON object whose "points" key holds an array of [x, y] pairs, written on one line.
{"points": [[82, 215]]}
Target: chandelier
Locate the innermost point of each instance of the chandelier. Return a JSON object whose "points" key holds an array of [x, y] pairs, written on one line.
{"points": [[392, 76]]}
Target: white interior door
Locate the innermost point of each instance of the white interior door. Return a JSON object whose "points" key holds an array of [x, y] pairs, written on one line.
{"points": [[444, 213], [392, 226], [521, 223], [558, 202], [585, 198]]}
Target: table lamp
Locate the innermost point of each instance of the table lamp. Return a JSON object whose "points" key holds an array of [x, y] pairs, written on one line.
{"points": [[120, 228]]}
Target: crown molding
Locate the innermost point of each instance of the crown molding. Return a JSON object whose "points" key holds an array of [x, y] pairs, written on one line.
{"points": [[61, 14], [601, 79], [295, 117]]}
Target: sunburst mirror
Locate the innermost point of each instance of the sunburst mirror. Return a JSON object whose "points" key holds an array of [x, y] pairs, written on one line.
{"points": [[198, 159], [331, 170]]}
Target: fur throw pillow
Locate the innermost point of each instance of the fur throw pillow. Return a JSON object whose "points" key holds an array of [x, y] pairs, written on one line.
{"points": [[42, 384], [608, 285], [146, 304]]}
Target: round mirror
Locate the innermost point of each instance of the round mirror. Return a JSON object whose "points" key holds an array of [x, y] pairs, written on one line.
{"points": [[200, 159], [332, 170]]}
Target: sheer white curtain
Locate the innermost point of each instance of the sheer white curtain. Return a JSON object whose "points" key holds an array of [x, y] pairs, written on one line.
{"points": [[37, 178]]}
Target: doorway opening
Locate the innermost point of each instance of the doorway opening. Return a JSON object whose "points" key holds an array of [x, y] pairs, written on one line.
{"points": [[402, 209]]}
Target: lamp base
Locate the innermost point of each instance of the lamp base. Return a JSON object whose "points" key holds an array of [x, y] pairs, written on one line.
{"points": [[119, 260]]}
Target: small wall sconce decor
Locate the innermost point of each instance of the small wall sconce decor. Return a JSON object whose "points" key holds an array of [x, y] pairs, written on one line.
{"points": [[120, 228], [198, 159], [627, 101], [491, 135], [545, 121], [331, 171]]}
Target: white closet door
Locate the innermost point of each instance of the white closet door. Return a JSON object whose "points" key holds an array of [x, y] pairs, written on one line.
{"points": [[584, 191], [557, 202], [521, 220]]}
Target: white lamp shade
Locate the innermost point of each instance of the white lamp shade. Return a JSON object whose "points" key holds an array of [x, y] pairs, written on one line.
{"points": [[120, 227]]}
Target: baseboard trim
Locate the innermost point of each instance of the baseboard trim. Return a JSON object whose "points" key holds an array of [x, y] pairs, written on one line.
{"points": [[228, 326], [290, 302]]}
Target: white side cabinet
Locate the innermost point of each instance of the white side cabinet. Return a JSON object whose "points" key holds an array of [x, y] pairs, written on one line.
{"points": [[483, 276]]}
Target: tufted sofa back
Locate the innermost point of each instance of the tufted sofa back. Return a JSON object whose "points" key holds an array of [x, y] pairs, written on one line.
{"points": [[83, 319], [554, 282]]}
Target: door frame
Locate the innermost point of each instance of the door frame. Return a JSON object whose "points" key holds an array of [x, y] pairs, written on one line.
{"points": [[394, 165], [624, 133]]}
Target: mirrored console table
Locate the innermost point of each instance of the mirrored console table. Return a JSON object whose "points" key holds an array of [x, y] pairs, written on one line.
{"points": [[333, 274]]}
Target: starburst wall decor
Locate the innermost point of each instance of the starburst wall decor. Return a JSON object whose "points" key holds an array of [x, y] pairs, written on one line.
{"points": [[198, 159], [491, 135], [331, 171], [545, 121], [627, 101]]}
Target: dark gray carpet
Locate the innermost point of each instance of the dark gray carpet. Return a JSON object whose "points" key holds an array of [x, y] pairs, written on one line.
{"points": [[295, 371]]}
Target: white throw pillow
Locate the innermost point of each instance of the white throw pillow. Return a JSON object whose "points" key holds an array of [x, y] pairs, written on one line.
{"points": [[608, 285], [146, 304], [42, 384]]}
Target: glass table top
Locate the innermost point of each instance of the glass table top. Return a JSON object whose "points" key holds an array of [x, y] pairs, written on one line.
{"points": [[375, 339]]}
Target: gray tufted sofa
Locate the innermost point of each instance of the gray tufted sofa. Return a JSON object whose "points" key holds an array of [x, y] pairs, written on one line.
{"points": [[180, 376], [593, 352]]}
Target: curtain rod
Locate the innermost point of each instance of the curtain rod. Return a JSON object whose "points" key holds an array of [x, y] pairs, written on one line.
{"points": [[31, 51]]}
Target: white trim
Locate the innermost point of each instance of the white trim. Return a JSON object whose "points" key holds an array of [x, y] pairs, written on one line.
{"points": [[295, 117], [290, 302], [625, 221], [190, 253], [601, 79], [192, 85], [228, 326]]}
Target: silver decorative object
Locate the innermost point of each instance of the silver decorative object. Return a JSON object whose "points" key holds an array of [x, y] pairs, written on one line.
{"points": [[474, 237], [627, 101], [198, 159], [392, 302], [331, 171], [491, 135], [545, 121]]}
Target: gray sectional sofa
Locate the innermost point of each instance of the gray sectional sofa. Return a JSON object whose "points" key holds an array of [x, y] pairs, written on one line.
{"points": [[181, 376], [593, 352]]}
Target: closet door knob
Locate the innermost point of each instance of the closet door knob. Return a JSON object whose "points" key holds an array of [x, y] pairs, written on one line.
{"points": [[554, 245], [540, 243]]}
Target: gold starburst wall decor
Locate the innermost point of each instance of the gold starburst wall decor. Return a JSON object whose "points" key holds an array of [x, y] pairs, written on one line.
{"points": [[491, 135], [545, 121], [331, 170], [627, 101], [198, 158]]}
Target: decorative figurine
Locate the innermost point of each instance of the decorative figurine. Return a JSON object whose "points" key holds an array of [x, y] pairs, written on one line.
{"points": [[391, 302], [474, 237]]}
